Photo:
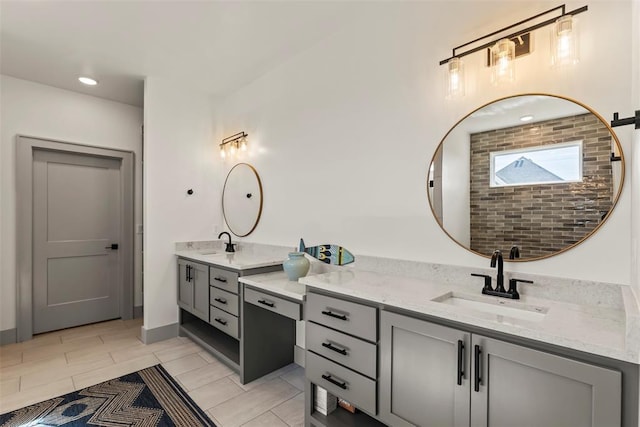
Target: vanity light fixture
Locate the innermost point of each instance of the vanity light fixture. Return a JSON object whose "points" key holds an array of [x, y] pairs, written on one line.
{"points": [[231, 144], [564, 41], [503, 54], [87, 81], [455, 78], [503, 50]]}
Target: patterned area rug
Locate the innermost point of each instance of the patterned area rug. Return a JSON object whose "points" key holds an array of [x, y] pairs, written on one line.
{"points": [[146, 398]]}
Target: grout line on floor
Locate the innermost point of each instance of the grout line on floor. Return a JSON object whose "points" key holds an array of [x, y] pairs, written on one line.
{"points": [[271, 410]]}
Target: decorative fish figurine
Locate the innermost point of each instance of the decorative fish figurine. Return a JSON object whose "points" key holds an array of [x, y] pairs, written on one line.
{"points": [[330, 254]]}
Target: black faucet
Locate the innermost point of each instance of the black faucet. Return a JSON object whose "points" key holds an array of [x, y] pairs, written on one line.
{"points": [[499, 291], [497, 258], [514, 252], [230, 246]]}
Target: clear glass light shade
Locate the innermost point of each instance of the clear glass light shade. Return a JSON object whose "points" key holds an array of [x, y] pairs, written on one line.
{"points": [[564, 41], [232, 148], [455, 78], [223, 152], [243, 144], [503, 54]]}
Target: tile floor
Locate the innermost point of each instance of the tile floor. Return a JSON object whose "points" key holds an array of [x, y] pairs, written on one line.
{"points": [[63, 361]]}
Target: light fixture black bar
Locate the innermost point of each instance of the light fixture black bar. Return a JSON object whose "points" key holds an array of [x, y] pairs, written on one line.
{"points": [[635, 120], [512, 35], [233, 137]]}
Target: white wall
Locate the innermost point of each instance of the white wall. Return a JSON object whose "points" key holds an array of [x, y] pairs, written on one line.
{"points": [[635, 149], [180, 154], [342, 134], [33, 109]]}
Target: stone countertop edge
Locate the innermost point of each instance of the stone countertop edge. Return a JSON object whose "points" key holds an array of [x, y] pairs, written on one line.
{"points": [[612, 333], [233, 260], [277, 283]]}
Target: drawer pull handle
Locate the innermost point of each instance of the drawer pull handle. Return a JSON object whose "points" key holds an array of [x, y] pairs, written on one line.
{"points": [[336, 316], [476, 356], [267, 303], [336, 349], [460, 361], [222, 322], [220, 279], [220, 300], [342, 385]]}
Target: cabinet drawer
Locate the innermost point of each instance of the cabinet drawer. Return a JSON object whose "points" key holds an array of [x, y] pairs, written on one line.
{"points": [[349, 351], [224, 300], [281, 306], [223, 279], [224, 321], [342, 382], [352, 318]]}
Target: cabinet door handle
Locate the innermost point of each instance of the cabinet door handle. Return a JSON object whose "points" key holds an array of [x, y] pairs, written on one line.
{"points": [[336, 316], [222, 322], [220, 300], [186, 273], [476, 360], [189, 276], [220, 279], [267, 303], [334, 348], [341, 384], [460, 361]]}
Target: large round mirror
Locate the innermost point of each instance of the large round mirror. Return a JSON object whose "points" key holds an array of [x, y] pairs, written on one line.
{"points": [[242, 199], [529, 175]]}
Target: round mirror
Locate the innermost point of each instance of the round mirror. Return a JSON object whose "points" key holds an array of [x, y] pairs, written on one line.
{"points": [[530, 175], [242, 199]]}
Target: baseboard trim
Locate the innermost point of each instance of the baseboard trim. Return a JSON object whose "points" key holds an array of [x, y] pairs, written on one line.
{"points": [[150, 336], [8, 336], [298, 355], [138, 311]]}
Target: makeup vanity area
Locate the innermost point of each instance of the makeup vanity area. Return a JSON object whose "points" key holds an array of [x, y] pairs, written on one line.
{"points": [[413, 343]]}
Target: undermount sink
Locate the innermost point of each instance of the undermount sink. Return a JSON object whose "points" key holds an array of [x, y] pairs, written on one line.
{"points": [[496, 306]]}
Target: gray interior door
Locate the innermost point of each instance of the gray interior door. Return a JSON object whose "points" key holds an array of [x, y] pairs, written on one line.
{"points": [[76, 219]]}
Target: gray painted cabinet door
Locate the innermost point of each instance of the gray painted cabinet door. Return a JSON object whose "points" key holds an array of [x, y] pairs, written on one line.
{"points": [[523, 387], [193, 288], [419, 366], [76, 219]]}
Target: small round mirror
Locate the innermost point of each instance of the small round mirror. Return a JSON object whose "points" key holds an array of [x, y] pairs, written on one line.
{"points": [[242, 199], [529, 175]]}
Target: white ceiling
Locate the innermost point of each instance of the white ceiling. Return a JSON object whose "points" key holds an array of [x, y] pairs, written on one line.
{"points": [[216, 46]]}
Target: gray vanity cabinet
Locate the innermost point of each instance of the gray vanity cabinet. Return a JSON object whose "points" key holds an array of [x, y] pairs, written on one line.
{"points": [[424, 373], [432, 375], [193, 288], [518, 386]]}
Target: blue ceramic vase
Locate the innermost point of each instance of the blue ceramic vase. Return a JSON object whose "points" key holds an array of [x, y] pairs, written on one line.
{"points": [[296, 266]]}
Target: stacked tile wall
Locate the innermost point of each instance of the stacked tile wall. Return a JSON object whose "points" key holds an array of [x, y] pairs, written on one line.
{"points": [[540, 219]]}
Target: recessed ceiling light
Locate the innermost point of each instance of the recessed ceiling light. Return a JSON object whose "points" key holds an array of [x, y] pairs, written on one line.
{"points": [[526, 118], [88, 81]]}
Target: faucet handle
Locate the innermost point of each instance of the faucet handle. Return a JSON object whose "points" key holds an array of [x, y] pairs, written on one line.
{"points": [[487, 281], [513, 287]]}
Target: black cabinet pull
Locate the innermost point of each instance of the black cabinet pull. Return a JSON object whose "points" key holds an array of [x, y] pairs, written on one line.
{"points": [[220, 279], [189, 277], [222, 322], [342, 385], [267, 303], [460, 361], [186, 273], [337, 316], [336, 349], [476, 360], [220, 300]]}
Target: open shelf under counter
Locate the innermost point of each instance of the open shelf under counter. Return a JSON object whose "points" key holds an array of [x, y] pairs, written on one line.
{"points": [[221, 345]]}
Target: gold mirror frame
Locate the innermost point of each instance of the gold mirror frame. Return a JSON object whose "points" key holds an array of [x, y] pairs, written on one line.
{"points": [[568, 247], [226, 190]]}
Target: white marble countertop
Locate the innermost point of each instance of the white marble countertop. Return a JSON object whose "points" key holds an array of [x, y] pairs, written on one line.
{"points": [[240, 260], [277, 283], [602, 331]]}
